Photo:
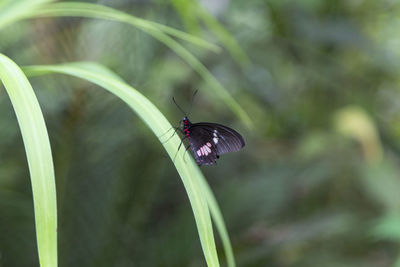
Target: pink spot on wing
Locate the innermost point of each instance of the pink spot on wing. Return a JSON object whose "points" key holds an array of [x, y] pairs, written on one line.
{"points": [[198, 153], [208, 144]]}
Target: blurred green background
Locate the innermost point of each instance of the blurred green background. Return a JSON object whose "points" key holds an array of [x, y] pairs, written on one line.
{"points": [[318, 183]]}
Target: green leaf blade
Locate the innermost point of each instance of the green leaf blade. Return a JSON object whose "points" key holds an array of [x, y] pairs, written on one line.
{"points": [[40, 161], [193, 180], [12, 11], [153, 29]]}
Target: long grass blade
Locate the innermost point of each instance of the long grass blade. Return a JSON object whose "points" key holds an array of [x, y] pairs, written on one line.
{"points": [[189, 172], [40, 161], [219, 223], [224, 36], [14, 10], [102, 12], [38, 8], [191, 12]]}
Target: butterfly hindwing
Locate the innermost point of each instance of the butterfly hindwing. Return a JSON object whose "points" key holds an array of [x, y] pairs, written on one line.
{"points": [[205, 153], [209, 140]]}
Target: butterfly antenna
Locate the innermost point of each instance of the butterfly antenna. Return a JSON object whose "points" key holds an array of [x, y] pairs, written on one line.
{"points": [[179, 106], [191, 102]]}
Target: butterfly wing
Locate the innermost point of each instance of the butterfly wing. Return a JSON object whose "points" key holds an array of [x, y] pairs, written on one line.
{"points": [[209, 140], [205, 153]]}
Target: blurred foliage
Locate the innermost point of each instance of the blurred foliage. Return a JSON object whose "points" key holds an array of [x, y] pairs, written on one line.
{"points": [[316, 185]]}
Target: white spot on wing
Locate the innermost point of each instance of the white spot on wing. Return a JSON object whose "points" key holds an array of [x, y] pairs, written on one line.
{"points": [[215, 134]]}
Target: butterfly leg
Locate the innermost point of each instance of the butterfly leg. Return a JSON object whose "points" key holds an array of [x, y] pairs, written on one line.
{"points": [[172, 127], [179, 147], [175, 130]]}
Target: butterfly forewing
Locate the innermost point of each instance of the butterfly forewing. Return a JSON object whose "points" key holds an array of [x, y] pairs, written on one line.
{"points": [[209, 140]]}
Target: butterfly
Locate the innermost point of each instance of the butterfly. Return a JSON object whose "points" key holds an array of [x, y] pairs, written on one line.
{"points": [[208, 140]]}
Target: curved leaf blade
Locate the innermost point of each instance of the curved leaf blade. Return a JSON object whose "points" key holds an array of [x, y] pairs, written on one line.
{"points": [[189, 172], [12, 11], [153, 29], [40, 161]]}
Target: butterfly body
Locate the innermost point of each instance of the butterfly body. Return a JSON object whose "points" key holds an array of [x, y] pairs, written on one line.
{"points": [[209, 140]]}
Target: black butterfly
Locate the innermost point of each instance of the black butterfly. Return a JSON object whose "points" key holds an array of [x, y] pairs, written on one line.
{"points": [[208, 140]]}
